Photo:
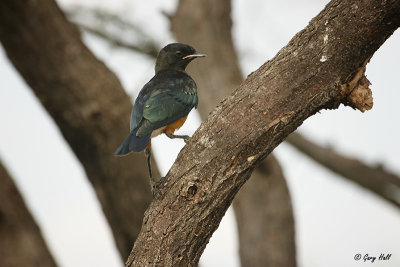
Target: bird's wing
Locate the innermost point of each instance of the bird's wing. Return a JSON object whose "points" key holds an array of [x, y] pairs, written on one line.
{"points": [[137, 111], [167, 105]]}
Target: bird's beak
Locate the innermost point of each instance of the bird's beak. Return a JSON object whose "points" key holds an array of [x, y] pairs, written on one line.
{"points": [[197, 54]]}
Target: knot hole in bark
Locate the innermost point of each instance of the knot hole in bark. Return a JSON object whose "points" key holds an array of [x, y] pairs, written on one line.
{"points": [[192, 190]]}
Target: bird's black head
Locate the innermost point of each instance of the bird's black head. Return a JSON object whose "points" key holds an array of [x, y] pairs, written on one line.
{"points": [[176, 56]]}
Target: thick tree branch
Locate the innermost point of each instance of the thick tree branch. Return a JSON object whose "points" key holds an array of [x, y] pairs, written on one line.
{"points": [[307, 75], [212, 21], [86, 101], [21, 242], [377, 180]]}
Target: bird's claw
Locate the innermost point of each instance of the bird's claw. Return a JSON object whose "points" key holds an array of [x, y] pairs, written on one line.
{"points": [[155, 185], [184, 137], [153, 190]]}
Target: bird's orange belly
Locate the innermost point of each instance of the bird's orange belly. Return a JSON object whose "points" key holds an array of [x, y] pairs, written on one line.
{"points": [[171, 128]]}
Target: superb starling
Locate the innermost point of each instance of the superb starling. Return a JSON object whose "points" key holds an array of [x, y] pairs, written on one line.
{"points": [[164, 103]]}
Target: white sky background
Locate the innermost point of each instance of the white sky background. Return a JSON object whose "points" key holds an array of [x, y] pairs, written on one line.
{"points": [[335, 219]]}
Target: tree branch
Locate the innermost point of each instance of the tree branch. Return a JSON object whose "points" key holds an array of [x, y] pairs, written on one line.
{"points": [[86, 101], [377, 180], [112, 28], [212, 22], [21, 242], [265, 218], [306, 76]]}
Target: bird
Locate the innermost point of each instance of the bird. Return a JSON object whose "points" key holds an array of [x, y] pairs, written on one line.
{"points": [[163, 103]]}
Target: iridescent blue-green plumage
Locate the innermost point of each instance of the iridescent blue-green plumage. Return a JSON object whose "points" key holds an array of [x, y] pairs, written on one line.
{"points": [[170, 95]]}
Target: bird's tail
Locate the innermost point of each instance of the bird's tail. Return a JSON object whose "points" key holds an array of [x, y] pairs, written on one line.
{"points": [[133, 143]]}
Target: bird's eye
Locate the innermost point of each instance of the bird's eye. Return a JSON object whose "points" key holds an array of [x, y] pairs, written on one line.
{"points": [[178, 53]]}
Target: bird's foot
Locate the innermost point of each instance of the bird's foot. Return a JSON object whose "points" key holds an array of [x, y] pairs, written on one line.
{"points": [[155, 185], [184, 137], [153, 189]]}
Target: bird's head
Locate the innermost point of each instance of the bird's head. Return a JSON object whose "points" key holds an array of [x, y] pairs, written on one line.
{"points": [[176, 56]]}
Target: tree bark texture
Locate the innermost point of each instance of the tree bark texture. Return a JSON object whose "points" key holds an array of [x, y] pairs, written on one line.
{"points": [[268, 216], [86, 101], [21, 242], [318, 69], [377, 180]]}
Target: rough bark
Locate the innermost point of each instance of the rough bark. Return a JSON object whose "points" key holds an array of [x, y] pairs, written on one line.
{"points": [[265, 219], [21, 242], [309, 74], [271, 212], [86, 101], [377, 180]]}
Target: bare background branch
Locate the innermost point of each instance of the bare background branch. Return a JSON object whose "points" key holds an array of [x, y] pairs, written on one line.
{"points": [[264, 216], [19, 233], [112, 28], [375, 179]]}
